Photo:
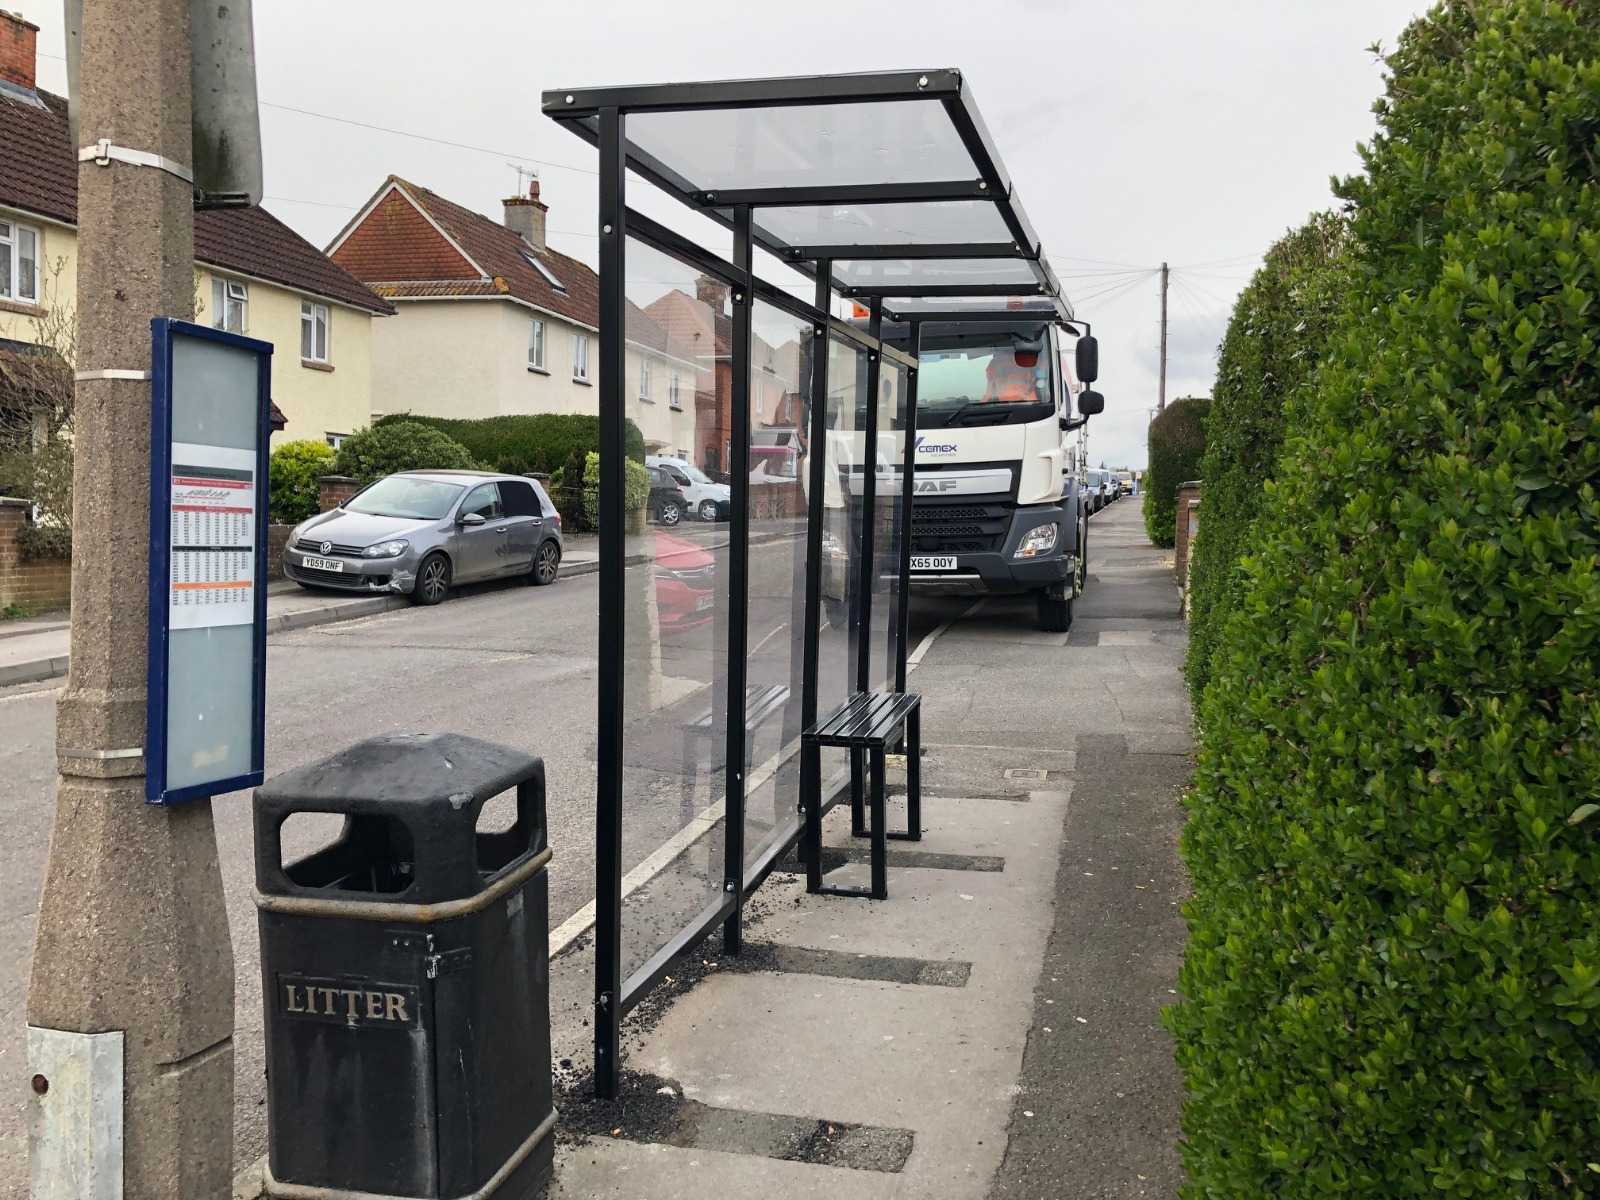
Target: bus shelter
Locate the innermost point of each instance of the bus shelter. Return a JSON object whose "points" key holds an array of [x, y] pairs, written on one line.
{"points": [[790, 431]]}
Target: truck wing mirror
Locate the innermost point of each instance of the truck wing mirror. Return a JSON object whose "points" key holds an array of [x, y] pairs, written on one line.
{"points": [[1090, 401], [1088, 359]]}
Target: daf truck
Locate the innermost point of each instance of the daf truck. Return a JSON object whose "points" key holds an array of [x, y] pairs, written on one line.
{"points": [[999, 508]]}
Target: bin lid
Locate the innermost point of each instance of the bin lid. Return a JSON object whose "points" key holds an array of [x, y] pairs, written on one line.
{"points": [[402, 769]]}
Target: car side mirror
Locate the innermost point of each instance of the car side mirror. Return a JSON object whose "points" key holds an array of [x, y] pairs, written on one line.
{"points": [[1091, 402], [1088, 364], [470, 519]]}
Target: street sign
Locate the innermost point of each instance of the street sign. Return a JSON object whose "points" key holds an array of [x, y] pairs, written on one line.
{"points": [[210, 406]]}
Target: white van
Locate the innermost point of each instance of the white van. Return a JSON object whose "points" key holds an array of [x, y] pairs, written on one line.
{"points": [[708, 499]]}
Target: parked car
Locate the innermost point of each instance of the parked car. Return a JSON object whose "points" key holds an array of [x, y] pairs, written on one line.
{"points": [[708, 499], [686, 583], [420, 532], [668, 504], [1125, 482], [1094, 490]]}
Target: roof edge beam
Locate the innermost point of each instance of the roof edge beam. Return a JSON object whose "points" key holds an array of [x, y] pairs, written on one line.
{"points": [[568, 103], [943, 289], [911, 250], [842, 194]]}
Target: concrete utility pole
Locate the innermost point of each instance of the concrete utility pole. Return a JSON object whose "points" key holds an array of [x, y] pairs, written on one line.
{"points": [[1161, 400], [130, 1004]]}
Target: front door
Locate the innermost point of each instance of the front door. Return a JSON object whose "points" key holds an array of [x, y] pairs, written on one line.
{"points": [[480, 549]]}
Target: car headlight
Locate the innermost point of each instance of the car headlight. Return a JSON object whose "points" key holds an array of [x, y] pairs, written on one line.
{"points": [[385, 550], [1041, 539]]}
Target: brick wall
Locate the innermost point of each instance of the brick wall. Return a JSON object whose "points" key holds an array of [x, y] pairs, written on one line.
{"points": [[35, 584], [334, 490], [1188, 517], [277, 539]]}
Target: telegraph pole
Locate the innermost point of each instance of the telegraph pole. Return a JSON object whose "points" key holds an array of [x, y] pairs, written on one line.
{"points": [[1161, 401], [130, 1003]]}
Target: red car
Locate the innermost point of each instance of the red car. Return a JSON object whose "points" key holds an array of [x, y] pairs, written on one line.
{"points": [[686, 583]]}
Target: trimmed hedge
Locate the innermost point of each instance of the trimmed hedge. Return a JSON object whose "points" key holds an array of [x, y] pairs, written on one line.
{"points": [[539, 443], [1392, 982], [292, 474], [370, 454], [1177, 439], [1277, 334]]}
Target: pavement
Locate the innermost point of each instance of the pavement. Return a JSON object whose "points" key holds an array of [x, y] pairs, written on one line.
{"points": [[992, 1029]]}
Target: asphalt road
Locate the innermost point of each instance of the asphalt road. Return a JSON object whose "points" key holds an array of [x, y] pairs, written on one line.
{"points": [[503, 662]]}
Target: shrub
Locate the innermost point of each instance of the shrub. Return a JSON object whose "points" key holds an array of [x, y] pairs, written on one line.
{"points": [[1277, 334], [383, 449], [292, 475], [635, 489], [537, 442], [44, 541], [1392, 982], [1177, 439]]}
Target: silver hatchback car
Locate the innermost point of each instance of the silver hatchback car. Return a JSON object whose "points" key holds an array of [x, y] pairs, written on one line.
{"points": [[419, 532]]}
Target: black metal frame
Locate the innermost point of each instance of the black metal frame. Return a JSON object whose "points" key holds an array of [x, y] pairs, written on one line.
{"points": [[599, 115]]}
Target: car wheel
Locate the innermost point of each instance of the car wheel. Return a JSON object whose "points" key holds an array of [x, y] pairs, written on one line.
{"points": [[708, 510], [1055, 616], [838, 613], [669, 512], [433, 580], [546, 563]]}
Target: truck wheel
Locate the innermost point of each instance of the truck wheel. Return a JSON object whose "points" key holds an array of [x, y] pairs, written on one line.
{"points": [[1055, 616]]}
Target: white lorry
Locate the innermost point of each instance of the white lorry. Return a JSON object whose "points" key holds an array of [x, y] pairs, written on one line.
{"points": [[999, 465]]}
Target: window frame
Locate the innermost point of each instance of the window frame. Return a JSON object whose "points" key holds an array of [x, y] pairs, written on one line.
{"points": [[536, 340], [499, 504], [675, 391], [580, 358], [11, 247], [221, 297], [309, 310], [644, 380]]}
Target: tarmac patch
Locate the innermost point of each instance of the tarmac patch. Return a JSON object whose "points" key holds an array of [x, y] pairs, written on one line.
{"points": [[839, 964]]}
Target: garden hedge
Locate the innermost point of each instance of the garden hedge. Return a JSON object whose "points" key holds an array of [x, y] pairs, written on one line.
{"points": [[292, 474], [537, 442], [383, 449], [1177, 439], [1392, 982], [1278, 332]]}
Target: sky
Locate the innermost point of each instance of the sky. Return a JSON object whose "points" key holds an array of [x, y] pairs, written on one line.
{"points": [[1136, 132]]}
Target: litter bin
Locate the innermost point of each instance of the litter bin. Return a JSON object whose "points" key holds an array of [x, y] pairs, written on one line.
{"points": [[405, 968]]}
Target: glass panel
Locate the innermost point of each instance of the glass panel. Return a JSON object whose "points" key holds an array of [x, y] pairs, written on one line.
{"points": [[886, 516], [889, 272], [841, 528], [780, 405], [886, 224], [806, 145], [676, 608]]}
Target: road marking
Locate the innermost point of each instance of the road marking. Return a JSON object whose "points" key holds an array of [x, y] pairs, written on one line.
{"points": [[915, 657]]}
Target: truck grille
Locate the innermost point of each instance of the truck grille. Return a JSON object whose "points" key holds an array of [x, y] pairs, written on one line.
{"points": [[958, 528]]}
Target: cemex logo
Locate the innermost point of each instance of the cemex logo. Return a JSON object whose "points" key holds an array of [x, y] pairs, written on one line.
{"points": [[924, 446]]}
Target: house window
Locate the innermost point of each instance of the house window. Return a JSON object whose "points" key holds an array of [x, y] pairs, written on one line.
{"points": [[536, 345], [19, 263], [580, 357], [544, 271], [644, 380], [335, 440], [230, 305], [675, 391], [313, 332]]}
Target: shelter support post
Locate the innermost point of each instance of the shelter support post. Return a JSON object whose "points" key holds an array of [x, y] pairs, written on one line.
{"points": [[908, 491], [816, 426], [613, 555]]}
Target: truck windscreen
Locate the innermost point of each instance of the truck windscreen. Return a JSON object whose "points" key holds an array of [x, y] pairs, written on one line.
{"points": [[1000, 380]]}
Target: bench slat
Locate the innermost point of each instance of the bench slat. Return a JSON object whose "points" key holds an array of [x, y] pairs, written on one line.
{"points": [[865, 719]]}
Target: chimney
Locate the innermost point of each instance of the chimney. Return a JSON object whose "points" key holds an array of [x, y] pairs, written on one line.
{"points": [[18, 48], [525, 216], [711, 292]]}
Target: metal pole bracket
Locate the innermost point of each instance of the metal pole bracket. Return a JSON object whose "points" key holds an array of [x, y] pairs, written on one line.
{"points": [[103, 153]]}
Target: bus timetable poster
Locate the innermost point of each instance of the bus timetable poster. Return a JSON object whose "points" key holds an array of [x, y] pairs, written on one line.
{"points": [[213, 532]]}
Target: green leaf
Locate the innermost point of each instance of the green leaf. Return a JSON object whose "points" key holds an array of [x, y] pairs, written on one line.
{"points": [[1582, 813]]}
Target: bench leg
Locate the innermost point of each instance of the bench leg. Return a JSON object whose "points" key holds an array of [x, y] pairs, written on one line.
{"points": [[880, 827], [811, 798], [858, 804], [914, 775]]}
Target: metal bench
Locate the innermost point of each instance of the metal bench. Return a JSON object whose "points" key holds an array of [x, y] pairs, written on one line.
{"points": [[865, 725]]}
